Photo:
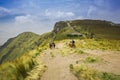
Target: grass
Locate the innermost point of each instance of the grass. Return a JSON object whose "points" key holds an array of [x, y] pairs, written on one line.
{"points": [[67, 51], [36, 72], [19, 45], [92, 59], [15, 70], [83, 72], [98, 44], [86, 44], [79, 51], [19, 68], [101, 44], [52, 55]]}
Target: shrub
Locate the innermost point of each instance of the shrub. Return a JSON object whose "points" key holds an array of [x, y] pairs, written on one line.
{"points": [[71, 66], [92, 59], [79, 51], [83, 72], [52, 55]]}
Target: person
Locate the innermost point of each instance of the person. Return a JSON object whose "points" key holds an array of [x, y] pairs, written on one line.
{"points": [[72, 43], [52, 45]]}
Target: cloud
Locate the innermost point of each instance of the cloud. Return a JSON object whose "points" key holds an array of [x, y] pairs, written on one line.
{"points": [[58, 14], [80, 17], [4, 11], [24, 19], [92, 9]]}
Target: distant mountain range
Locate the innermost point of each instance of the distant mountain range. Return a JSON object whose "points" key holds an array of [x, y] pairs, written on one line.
{"points": [[24, 42]]}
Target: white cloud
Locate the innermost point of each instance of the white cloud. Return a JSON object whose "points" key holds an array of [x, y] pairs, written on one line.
{"points": [[80, 17], [58, 14], [3, 11], [24, 19], [91, 10]]}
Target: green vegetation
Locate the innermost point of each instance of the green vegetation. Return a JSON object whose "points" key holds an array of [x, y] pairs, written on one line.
{"points": [[52, 55], [23, 43], [19, 45], [19, 68], [83, 44], [66, 51], [98, 44], [79, 51], [83, 72], [62, 34], [92, 59], [101, 29], [88, 28], [36, 72]]}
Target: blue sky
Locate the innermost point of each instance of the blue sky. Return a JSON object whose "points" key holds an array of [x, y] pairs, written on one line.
{"points": [[39, 16]]}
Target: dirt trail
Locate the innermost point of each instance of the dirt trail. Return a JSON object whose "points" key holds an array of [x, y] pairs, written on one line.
{"points": [[58, 66]]}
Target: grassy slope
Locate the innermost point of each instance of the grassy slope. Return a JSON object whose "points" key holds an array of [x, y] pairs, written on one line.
{"points": [[101, 29], [21, 44], [21, 67], [17, 46]]}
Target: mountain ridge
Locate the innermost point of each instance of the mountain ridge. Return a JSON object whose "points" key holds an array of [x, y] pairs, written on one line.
{"points": [[100, 28], [18, 45]]}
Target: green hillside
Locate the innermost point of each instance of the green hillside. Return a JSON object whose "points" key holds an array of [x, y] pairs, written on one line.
{"points": [[24, 42], [17, 46], [87, 29]]}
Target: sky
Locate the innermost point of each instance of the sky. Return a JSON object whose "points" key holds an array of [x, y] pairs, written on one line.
{"points": [[39, 16]]}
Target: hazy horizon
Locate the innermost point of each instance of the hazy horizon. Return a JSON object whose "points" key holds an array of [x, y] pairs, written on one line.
{"points": [[39, 16]]}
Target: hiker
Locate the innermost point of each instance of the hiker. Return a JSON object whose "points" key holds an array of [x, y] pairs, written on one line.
{"points": [[72, 44], [52, 45]]}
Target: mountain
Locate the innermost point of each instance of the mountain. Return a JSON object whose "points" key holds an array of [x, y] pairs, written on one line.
{"points": [[24, 42], [87, 29], [17, 46], [21, 44]]}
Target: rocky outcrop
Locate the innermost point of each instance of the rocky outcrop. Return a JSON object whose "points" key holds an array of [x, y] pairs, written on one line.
{"points": [[59, 25]]}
